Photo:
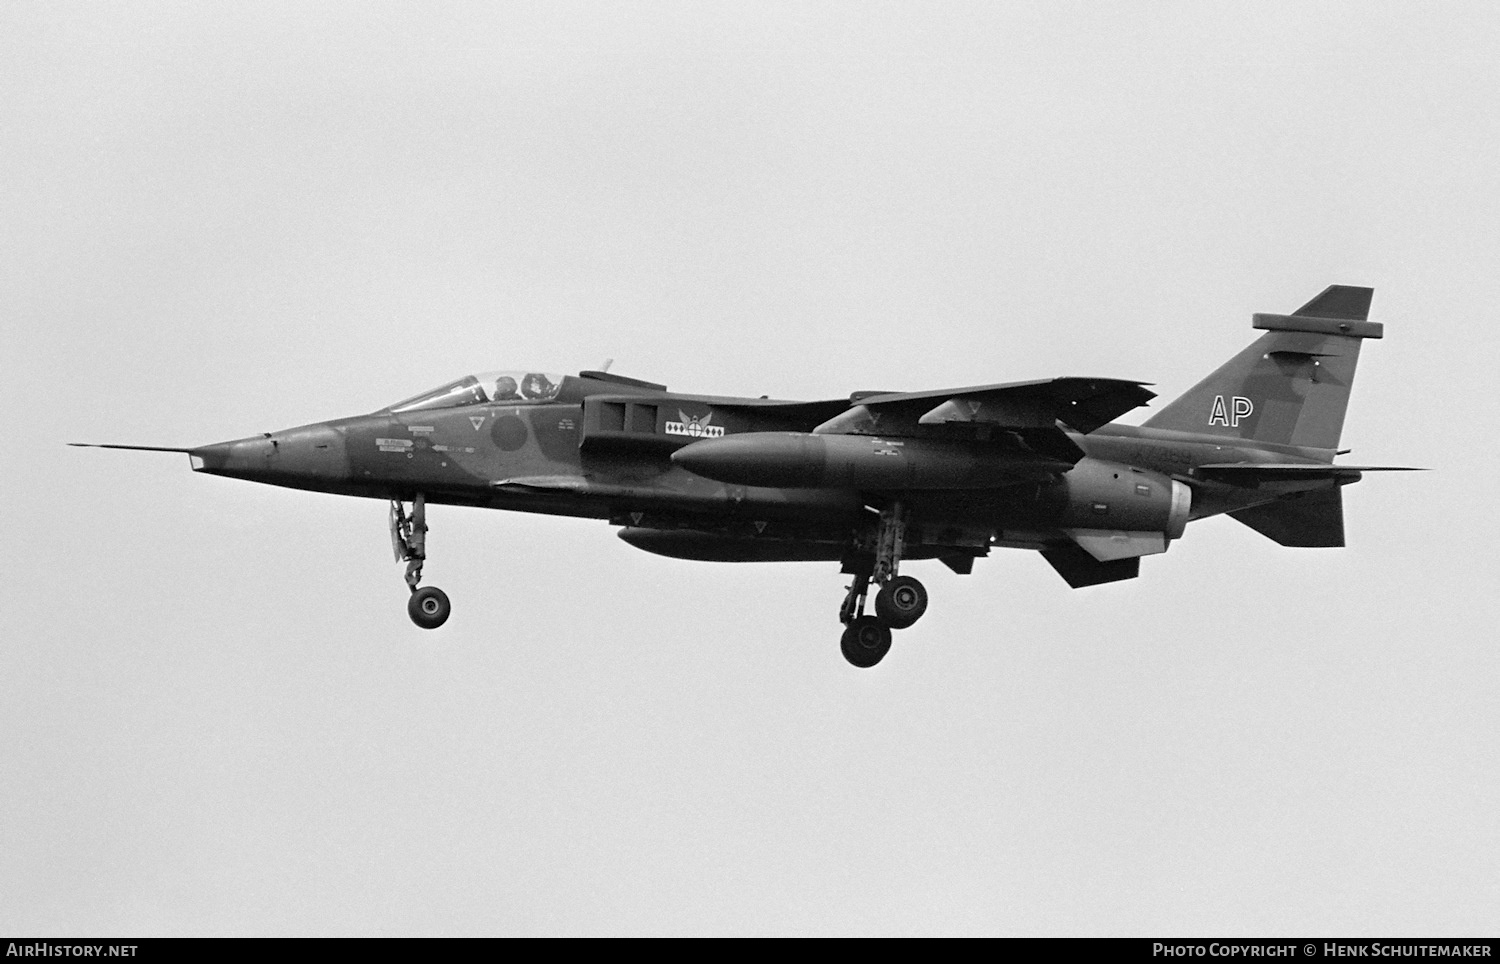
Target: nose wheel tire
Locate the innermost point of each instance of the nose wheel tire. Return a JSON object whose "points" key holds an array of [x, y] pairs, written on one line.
{"points": [[866, 641], [901, 602], [428, 607]]}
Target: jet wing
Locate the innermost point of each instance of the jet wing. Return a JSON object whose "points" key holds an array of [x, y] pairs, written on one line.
{"points": [[797, 416], [1021, 415], [1082, 404]]}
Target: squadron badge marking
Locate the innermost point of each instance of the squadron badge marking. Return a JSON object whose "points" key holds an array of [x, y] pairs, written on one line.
{"points": [[695, 426]]}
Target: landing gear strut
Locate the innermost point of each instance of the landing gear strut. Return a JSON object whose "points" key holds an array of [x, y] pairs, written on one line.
{"points": [[428, 606], [900, 602]]}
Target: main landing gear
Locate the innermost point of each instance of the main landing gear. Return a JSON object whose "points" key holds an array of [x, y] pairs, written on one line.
{"points": [[428, 606], [900, 601]]}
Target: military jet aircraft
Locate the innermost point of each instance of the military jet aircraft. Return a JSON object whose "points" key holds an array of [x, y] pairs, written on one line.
{"points": [[869, 481]]}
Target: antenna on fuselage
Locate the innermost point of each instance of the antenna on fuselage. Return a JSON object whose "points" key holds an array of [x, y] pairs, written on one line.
{"points": [[607, 362]]}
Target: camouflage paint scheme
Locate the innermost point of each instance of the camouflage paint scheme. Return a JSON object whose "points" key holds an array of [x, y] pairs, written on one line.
{"points": [[600, 448], [876, 477], [528, 458]]}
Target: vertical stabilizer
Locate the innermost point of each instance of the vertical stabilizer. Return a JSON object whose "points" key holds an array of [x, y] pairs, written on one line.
{"points": [[1291, 386]]}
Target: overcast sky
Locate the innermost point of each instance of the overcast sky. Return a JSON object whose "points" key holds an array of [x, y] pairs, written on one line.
{"points": [[216, 718]]}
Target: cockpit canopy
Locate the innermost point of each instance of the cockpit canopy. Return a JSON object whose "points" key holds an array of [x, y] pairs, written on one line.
{"points": [[497, 388]]}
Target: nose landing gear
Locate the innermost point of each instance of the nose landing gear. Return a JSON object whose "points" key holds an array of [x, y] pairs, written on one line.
{"points": [[900, 602], [428, 606]]}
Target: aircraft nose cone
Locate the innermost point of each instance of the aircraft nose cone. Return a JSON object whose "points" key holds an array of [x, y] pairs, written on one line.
{"points": [[237, 458], [308, 453]]}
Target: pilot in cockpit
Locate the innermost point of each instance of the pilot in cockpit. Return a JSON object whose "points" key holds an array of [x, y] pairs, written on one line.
{"points": [[536, 385], [505, 390]]}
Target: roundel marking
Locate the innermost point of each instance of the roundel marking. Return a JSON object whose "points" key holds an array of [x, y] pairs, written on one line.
{"points": [[509, 432]]}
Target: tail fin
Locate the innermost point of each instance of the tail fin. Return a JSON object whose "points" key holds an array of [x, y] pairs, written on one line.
{"points": [[1291, 386]]}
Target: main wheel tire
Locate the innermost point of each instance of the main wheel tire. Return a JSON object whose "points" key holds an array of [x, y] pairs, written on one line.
{"points": [[901, 602], [428, 607], [866, 641]]}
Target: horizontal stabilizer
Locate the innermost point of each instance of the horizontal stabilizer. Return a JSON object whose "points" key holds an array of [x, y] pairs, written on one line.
{"points": [[1308, 520], [1080, 569], [1251, 474]]}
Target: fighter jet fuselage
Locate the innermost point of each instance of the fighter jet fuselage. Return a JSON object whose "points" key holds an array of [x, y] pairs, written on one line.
{"points": [[867, 480], [539, 459]]}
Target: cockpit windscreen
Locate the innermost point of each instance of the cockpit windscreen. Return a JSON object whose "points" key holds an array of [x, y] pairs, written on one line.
{"points": [[499, 388]]}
